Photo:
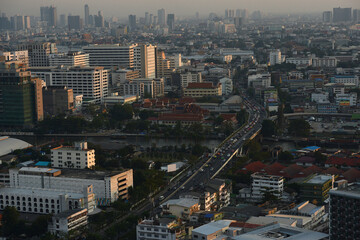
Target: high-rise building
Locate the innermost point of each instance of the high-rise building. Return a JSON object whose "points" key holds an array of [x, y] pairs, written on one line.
{"points": [[21, 103], [162, 17], [91, 82], [39, 53], [22, 56], [147, 19], [275, 57], [62, 21], [342, 14], [69, 59], [74, 22], [151, 19], [27, 22], [327, 16], [86, 16], [57, 100], [344, 212], [111, 55], [99, 20], [144, 60], [132, 22], [49, 15], [5, 23], [356, 15], [171, 21]]}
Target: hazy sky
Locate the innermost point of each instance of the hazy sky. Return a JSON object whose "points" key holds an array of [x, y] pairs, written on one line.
{"points": [[122, 8]]}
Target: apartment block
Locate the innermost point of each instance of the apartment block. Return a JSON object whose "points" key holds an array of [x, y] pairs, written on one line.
{"points": [[39, 53], [71, 220], [57, 100], [261, 183], [69, 59], [190, 77], [78, 156], [162, 228], [315, 188], [203, 89], [21, 56]]}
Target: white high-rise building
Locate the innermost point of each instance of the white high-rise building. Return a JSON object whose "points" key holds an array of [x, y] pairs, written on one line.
{"points": [[22, 56], [144, 60], [110, 55], [78, 156], [275, 57], [91, 82], [39, 53], [189, 77], [69, 59]]}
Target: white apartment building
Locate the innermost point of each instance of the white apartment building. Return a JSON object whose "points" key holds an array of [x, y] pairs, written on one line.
{"points": [[300, 61], [175, 60], [131, 87], [189, 77], [227, 86], [107, 186], [67, 221], [352, 79], [143, 87], [262, 183], [347, 99], [69, 59], [46, 201], [110, 55], [163, 228], [275, 57], [78, 156], [320, 97], [330, 62], [91, 82], [39, 53], [260, 80], [22, 56], [144, 60]]}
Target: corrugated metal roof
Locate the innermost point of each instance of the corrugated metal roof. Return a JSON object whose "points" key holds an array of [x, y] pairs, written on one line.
{"points": [[8, 145]]}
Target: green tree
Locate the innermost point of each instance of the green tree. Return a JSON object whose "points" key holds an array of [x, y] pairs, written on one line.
{"points": [[285, 157], [10, 221], [299, 128], [121, 112], [242, 116], [268, 128]]}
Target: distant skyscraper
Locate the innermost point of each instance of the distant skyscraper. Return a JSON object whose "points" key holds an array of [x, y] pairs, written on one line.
{"points": [[275, 57], [342, 14], [356, 15], [151, 19], [49, 15], [99, 20], [144, 60], [171, 21], [197, 15], [147, 19], [237, 22], [327, 16], [62, 21], [74, 22], [132, 22], [86, 17], [162, 17], [27, 22]]}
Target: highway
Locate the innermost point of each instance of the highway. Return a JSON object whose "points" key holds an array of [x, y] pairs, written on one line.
{"points": [[209, 167]]}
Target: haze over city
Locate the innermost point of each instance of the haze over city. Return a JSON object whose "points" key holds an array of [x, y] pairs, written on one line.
{"points": [[121, 8]]}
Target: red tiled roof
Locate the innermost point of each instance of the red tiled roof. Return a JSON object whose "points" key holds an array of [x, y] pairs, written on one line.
{"points": [[274, 169], [333, 171], [181, 117], [352, 162], [229, 117], [201, 85], [311, 170], [352, 175], [244, 225], [253, 167], [305, 159], [292, 171]]}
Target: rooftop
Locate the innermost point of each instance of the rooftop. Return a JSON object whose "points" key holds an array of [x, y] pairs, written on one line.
{"points": [[183, 202], [39, 192], [8, 145], [351, 191], [212, 227], [318, 179], [69, 213]]}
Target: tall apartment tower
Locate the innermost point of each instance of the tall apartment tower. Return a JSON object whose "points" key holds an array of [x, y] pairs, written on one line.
{"points": [[99, 20], [162, 17], [132, 22], [327, 16], [75, 22], [49, 15], [86, 16], [39, 53], [275, 57], [21, 103], [356, 15], [344, 212], [144, 60], [342, 15], [171, 21]]}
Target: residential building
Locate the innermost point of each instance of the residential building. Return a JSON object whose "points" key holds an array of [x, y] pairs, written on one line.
{"points": [[49, 15], [75, 22], [110, 55], [131, 87], [262, 183], [342, 15], [160, 228], [143, 87], [91, 82], [344, 212], [352, 79], [21, 99], [116, 99], [327, 108], [132, 22], [39, 53], [21, 56], [348, 99], [275, 57], [162, 17], [181, 208], [86, 16], [190, 77], [262, 80], [213, 230], [171, 21], [315, 188], [121, 75], [69, 59], [203, 89], [99, 20], [57, 100], [107, 186], [327, 16], [227, 86], [144, 60], [320, 97], [78, 156], [70, 220], [300, 61], [326, 62], [46, 201]]}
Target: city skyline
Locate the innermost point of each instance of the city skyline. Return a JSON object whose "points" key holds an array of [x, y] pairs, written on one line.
{"points": [[114, 8]]}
